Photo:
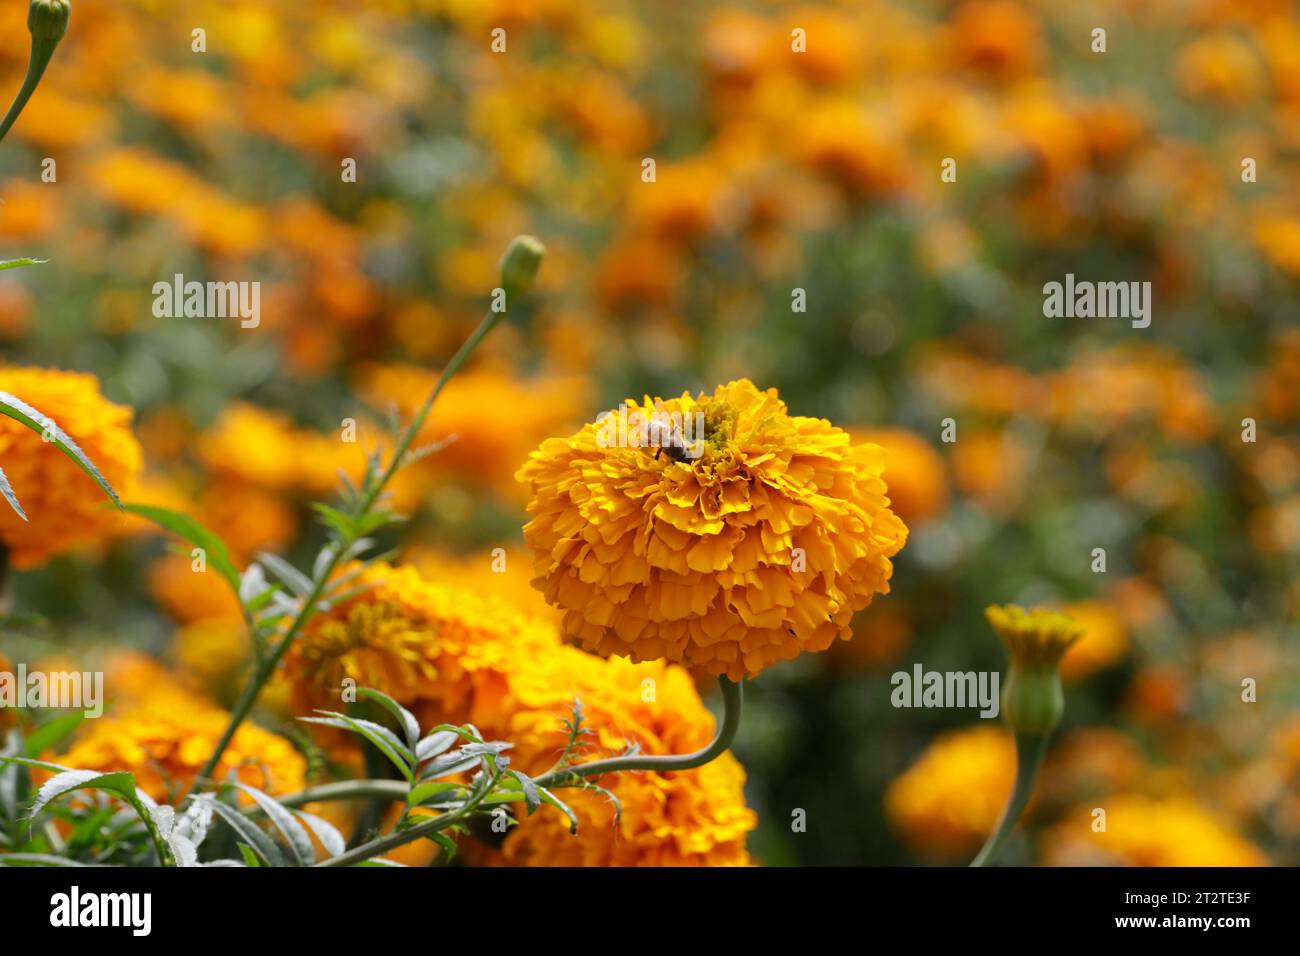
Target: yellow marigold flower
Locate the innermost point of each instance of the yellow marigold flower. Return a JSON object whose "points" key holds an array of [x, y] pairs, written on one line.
{"points": [[1034, 638], [691, 818], [1094, 760], [758, 549], [1103, 642], [451, 655], [948, 801], [164, 735], [426, 645], [914, 472], [1143, 831], [854, 147], [212, 649], [504, 573], [64, 506], [1220, 67], [1278, 237], [264, 448], [190, 595], [253, 445], [990, 465], [488, 417], [996, 38]]}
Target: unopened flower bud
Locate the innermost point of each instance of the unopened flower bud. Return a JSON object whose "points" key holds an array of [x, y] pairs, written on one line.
{"points": [[519, 265], [47, 20], [1036, 640]]}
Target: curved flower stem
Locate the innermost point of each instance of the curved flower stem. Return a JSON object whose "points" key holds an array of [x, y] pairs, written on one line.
{"points": [[1030, 749], [732, 697], [41, 53], [732, 701]]}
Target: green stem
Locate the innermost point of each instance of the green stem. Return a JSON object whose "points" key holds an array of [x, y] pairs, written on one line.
{"points": [[266, 667], [1030, 749], [732, 703], [732, 698], [349, 790], [36, 64], [402, 837]]}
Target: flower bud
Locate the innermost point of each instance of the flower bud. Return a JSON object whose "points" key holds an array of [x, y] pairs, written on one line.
{"points": [[519, 265], [1036, 640], [1032, 700], [47, 20]]}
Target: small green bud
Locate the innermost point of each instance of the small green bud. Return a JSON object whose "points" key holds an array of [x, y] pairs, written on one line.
{"points": [[1032, 700], [1036, 640], [519, 265], [47, 20]]}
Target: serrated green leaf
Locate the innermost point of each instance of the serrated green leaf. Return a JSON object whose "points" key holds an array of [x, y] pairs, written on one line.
{"points": [[330, 838], [404, 717], [434, 744], [15, 408], [553, 800], [424, 791], [186, 527], [261, 844], [295, 835], [7, 490], [384, 739], [447, 843], [447, 764], [532, 798], [297, 582], [119, 782]]}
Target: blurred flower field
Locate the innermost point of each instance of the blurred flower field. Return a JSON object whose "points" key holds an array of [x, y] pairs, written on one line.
{"points": [[367, 161]]}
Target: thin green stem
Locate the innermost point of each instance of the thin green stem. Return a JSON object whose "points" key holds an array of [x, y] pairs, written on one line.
{"points": [[732, 697], [36, 64], [732, 704], [267, 665], [1030, 749], [401, 837], [349, 790]]}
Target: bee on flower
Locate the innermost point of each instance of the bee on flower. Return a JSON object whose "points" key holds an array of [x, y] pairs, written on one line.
{"points": [[760, 547]]}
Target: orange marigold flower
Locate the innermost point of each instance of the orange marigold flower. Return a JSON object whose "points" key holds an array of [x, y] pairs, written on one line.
{"points": [[690, 818], [1036, 637], [1141, 831], [190, 595], [427, 645], [164, 734], [64, 506], [451, 655], [948, 801], [1104, 640], [761, 547], [486, 420], [914, 471]]}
